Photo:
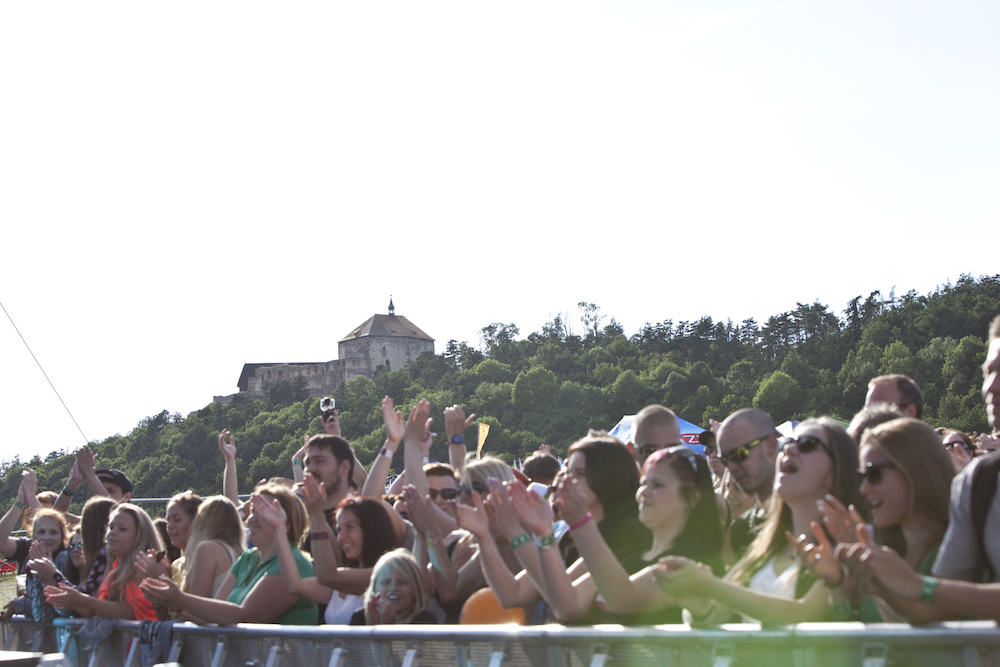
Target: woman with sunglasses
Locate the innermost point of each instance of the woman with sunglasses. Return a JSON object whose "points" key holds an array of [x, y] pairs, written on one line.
{"points": [[959, 445], [768, 584], [906, 479]]}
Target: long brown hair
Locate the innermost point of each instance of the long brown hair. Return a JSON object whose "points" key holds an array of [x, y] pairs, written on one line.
{"points": [[146, 538], [846, 488]]}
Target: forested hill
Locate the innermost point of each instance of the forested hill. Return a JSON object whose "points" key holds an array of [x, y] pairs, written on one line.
{"points": [[554, 384]]}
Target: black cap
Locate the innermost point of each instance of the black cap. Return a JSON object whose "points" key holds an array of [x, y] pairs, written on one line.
{"points": [[114, 476]]}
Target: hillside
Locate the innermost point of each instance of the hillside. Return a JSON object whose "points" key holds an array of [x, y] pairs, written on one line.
{"points": [[554, 384]]}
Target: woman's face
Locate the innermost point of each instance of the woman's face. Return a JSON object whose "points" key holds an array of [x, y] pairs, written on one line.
{"points": [[122, 532], [889, 499], [48, 533], [260, 533], [805, 474], [76, 551], [576, 467], [395, 589], [178, 525], [349, 534], [660, 496], [449, 485]]}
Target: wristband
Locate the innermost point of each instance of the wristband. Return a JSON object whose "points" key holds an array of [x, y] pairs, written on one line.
{"points": [[433, 541], [703, 617], [323, 535], [68, 491], [298, 462], [582, 522], [927, 590], [386, 452], [19, 504], [523, 538], [547, 542]]}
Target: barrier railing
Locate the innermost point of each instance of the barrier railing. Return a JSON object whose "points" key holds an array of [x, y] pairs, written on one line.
{"points": [[807, 645]]}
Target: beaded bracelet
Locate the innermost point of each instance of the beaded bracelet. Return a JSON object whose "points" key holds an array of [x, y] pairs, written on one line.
{"points": [[68, 491], [927, 590], [433, 541], [523, 538], [582, 522]]}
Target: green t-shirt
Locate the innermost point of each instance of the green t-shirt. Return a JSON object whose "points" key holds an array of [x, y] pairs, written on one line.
{"points": [[248, 571]]}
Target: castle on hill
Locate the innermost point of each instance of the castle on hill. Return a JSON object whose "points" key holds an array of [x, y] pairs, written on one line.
{"points": [[381, 340]]}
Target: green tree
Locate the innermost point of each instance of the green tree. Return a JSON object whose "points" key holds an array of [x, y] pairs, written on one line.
{"points": [[779, 396]]}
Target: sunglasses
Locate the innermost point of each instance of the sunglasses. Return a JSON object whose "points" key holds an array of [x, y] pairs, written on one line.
{"points": [[481, 487], [447, 494], [685, 452], [873, 472], [959, 443], [742, 453], [646, 450], [74, 547], [804, 445]]}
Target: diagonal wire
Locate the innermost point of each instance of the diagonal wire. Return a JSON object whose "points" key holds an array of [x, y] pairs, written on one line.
{"points": [[44, 373]]}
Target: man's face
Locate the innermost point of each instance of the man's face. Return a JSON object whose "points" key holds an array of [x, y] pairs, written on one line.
{"points": [[755, 474], [325, 467], [648, 438], [991, 383], [439, 483], [115, 492], [888, 392]]}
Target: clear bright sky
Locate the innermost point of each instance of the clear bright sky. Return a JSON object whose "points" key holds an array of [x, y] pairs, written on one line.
{"points": [[188, 186]]}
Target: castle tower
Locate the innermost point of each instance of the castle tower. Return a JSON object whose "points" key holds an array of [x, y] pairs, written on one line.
{"points": [[383, 340]]}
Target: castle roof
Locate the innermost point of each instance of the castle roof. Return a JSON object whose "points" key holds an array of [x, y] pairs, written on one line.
{"points": [[386, 325]]}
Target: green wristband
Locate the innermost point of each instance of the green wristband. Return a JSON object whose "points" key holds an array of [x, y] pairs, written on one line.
{"points": [[297, 462], [546, 542], [523, 538], [20, 505], [927, 590]]}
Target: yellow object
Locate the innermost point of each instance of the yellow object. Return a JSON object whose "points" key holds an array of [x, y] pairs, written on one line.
{"points": [[484, 430]]}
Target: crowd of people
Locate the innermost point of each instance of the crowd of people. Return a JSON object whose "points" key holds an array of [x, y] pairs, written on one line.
{"points": [[886, 519]]}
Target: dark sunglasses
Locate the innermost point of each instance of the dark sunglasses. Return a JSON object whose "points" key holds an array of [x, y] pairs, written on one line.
{"points": [[742, 453], [447, 494], [959, 443], [873, 472], [804, 445], [646, 450], [481, 487]]}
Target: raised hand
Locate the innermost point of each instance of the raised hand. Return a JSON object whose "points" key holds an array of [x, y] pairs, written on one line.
{"points": [[331, 424], [474, 519], [43, 567], [841, 521], [29, 482], [820, 557], [393, 420], [150, 566], [455, 421], [228, 448], [64, 596], [534, 512], [571, 499], [418, 426], [506, 516], [86, 459], [270, 512], [421, 513], [313, 494]]}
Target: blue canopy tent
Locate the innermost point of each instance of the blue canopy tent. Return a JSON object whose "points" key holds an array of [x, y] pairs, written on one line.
{"points": [[689, 432]]}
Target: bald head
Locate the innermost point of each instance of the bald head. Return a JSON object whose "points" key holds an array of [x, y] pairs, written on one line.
{"points": [[654, 427], [748, 443]]}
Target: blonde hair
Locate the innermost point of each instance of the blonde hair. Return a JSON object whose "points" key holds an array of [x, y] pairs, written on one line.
{"points": [[402, 562], [146, 538], [481, 470], [217, 520], [47, 513], [298, 520]]}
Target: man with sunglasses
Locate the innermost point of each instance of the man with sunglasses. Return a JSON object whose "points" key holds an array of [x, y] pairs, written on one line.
{"points": [[747, 443], [654, 427]]}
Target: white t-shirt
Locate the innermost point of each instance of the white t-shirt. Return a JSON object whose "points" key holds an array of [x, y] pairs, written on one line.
{"points": [[339, 609]]}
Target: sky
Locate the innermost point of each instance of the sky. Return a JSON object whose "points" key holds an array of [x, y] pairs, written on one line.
{"points": [[188, 187]]}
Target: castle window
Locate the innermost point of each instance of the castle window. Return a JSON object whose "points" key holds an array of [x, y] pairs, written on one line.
{"points": [[383, 351], [269, 375], [387, 365], [279, 374]]}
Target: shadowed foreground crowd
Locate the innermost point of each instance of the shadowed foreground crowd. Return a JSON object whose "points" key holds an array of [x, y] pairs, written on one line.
{"points": [[886, 520]]}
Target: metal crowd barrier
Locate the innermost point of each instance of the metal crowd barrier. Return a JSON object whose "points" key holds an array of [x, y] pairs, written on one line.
{"points": [[971, 644]]}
